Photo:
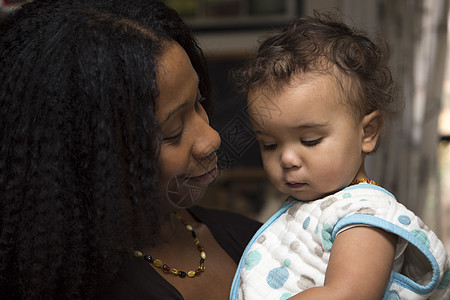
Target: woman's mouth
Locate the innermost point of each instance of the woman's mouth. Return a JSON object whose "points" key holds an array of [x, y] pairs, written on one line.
{"points": [[206, 178]]}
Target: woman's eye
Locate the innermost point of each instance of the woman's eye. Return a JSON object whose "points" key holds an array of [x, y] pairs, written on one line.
{"points": [[174, 138], [312, 143], [199, 101]]}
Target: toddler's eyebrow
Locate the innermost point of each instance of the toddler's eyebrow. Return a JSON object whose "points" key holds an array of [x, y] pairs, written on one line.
{"points": [[302, 126], [259, 132], [310, 125]]}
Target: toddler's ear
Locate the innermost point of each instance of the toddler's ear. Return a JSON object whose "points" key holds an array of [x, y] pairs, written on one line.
{"points": [[371, 125]]}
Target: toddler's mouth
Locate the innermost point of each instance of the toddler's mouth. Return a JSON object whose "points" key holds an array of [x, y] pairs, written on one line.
{"points": [[295, 185]]}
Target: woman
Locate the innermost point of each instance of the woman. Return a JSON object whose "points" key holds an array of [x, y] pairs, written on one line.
{"points": [[105, 142]]}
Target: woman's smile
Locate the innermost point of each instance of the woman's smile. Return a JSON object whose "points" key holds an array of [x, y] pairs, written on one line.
{"points": [[205, 178]]}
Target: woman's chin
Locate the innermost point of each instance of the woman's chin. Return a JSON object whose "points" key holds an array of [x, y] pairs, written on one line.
{"points": [[185, 194]]}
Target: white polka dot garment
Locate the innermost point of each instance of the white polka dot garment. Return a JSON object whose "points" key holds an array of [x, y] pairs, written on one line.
{"points": [[290, 252]]}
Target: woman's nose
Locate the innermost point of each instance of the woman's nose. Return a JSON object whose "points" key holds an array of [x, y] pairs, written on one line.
{"points": [[207, 139], [289, 159]]}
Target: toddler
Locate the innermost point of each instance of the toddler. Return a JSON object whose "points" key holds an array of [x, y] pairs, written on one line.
{"points": [[318, 93]]}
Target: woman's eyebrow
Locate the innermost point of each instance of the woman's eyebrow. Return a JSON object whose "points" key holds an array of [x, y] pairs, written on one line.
{"points": [[174, 111], [178, 108]]}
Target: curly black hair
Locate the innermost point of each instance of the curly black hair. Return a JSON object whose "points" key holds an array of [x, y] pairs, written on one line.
{"points": [[79, 140], [324, 44]]}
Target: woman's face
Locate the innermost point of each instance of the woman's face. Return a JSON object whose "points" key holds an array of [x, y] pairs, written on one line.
{"points": [[188, 160]]}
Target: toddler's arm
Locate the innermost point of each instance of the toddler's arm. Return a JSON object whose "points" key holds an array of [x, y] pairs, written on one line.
{"points": [[359, 267]]}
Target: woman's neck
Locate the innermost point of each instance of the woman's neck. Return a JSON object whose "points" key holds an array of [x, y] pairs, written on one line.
{"points": [[169, 226]]}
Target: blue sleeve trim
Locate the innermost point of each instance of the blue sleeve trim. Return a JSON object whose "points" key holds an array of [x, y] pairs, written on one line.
{"points": [[412, 239], [237, 276]]}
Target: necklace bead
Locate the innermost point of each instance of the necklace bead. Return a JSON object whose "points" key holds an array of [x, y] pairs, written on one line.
{"points": [[158, 263], [363, 180], [191, 274], [169, 270]]}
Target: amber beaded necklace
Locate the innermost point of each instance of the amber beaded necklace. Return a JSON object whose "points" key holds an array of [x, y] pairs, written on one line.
{"points": [[169, 270], [363, 180]]}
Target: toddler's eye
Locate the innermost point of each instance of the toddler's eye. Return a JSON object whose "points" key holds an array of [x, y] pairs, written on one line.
{"points": [[269, 147], [311, 143]]}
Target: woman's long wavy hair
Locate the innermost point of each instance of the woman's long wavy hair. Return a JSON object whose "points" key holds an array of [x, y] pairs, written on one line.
{"points": [[79, 140]]}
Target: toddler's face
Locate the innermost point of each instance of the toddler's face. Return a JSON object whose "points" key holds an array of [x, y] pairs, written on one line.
{"points": [[311, 144]]}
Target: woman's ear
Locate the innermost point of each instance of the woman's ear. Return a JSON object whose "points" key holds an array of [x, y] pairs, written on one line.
{"points": [[371, 125]]}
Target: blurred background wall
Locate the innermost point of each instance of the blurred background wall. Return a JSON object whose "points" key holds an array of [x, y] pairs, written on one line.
{"points": [[413, 160]]}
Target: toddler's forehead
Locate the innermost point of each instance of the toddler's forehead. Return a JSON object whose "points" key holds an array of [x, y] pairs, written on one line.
{"points": [[273, 88], [340, 86]]}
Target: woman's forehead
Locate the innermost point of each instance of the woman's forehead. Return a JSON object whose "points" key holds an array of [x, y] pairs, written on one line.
{"points": [[177, 80]]}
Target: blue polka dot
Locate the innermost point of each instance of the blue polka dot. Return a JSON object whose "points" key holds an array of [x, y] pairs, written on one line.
{"points": [[287, 262], [445, 281], [346, 195], [285, 296], [253, 258], [306, 222], [422, 237], [326, 236], [405, 220], [277, 277]]}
